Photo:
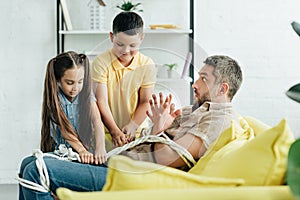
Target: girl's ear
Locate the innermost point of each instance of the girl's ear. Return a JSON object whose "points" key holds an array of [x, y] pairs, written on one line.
{"points": [[58, 84]]}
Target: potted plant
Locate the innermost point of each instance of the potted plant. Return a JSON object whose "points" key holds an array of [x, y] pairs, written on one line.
{"points": [[129, 6], [293, 166], [294, 91], [171, 68]]}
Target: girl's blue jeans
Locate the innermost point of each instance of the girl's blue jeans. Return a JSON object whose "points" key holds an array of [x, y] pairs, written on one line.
{"points": [[71, 175]]}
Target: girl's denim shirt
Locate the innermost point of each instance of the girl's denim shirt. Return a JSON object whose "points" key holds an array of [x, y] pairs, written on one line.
{"points": [[71, 110]]}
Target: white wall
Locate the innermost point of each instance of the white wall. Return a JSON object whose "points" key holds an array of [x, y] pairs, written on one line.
{"points": [[259, 35], [27, 42]]}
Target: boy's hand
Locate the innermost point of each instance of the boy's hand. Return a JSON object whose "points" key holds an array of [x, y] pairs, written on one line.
{"points": [[86, 156], [118, 138], [130, 130], [100, 156]]}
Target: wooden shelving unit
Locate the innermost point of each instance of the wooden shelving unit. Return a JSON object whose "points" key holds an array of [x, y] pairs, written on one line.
{"points": [[61, 33]]}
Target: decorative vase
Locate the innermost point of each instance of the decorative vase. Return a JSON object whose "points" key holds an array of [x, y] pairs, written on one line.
{"points": [[96, 16]]}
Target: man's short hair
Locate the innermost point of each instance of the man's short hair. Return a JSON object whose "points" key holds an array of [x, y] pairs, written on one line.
{"points": [[128, 22], [226, 70]]}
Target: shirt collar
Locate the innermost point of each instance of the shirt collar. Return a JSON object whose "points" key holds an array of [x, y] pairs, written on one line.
{"points": [[118, 66], [210, 106], [64, 101]]}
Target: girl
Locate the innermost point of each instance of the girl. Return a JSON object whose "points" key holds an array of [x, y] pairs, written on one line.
{"points": [[69, 109]]}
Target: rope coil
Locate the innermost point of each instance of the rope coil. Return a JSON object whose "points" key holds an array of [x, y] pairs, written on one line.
{"points": [[161, 138]]}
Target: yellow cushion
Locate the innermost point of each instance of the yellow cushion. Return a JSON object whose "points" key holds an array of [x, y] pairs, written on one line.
{"points": [[256, 125], [212, 193], [260, 161], [127, 174], [243, 132]]}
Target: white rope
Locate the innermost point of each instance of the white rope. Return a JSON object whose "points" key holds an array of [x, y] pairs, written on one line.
{"points": [[63, 153], [161, 138], [42, 169], [31, 185], [44, 176]]}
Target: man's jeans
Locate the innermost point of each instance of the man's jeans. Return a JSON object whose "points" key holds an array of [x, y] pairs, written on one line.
{"points": [[71, 175]]}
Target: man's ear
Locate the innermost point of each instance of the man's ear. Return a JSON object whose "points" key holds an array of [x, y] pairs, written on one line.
{"points": [[224, 88]]}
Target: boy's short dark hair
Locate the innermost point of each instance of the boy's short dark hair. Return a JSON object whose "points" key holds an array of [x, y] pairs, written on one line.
{"points": [[128, 22]]}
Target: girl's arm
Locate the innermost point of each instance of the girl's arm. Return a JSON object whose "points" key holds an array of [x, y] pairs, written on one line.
{"points": [[100, 152], [85, 155], [140, 112], [118, 137]]}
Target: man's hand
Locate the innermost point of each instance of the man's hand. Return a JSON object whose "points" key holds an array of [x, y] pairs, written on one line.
{"points": [[130, 130], [162, 114]]}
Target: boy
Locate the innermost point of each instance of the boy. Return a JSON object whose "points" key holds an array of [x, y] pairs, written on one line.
{"points": [[124, 79]]}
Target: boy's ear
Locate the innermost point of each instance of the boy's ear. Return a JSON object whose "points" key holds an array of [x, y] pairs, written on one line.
{"points": [[142, 36], [111, 36]]}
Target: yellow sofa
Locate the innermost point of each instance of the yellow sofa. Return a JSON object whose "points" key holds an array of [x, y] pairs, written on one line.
{"points": [[243, 163]]}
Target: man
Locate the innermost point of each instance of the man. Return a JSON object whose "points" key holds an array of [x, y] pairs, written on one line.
{"points": [[198, 126], [194, 128]]}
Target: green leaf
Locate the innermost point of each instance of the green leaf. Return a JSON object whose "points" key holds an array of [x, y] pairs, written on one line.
{"points": [[293, 168], [171, 66], [129, 6], [294, 93], [296, 27]]}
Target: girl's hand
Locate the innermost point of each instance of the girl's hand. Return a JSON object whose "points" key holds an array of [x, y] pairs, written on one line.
{"points": [[100, 156], [86, 156]]}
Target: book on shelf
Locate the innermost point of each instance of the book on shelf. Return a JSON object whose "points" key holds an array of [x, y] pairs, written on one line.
{"points": [[66, 15]]}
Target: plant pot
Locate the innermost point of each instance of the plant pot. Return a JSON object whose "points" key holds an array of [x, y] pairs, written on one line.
{"points": [[170, 73]]}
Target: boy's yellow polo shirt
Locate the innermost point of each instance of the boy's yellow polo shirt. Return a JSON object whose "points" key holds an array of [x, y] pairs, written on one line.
{"points": [[123, 83]]}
